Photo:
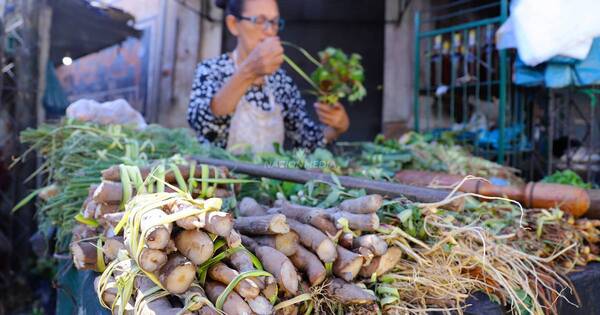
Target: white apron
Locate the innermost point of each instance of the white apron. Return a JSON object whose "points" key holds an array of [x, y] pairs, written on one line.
{"points": [[254, 128]]}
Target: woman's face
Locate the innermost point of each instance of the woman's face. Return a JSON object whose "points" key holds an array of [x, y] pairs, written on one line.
{"points": [[248, 33]]}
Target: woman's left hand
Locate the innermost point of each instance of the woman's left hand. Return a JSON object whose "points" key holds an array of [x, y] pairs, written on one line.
{"points": [[334, 116]]}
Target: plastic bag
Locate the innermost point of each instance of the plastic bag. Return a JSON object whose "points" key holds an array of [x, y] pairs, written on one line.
{"points": [[541, 30], [117, 112]]}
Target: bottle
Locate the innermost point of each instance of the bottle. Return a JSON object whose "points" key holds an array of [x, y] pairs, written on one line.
{"points": [[489, 66], [436, 62], [446, 63], [471, 57], [457, 56]]}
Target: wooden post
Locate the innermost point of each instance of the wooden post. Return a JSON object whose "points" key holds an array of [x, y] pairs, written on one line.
{"points": [[211, 32], [26, 63], [43, 33], [189, 37], [25, 113], [180, 43], [167, 60], [2, 35]]}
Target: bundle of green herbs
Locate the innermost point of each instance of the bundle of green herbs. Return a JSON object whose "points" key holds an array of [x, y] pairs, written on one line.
{"points": [[337, 76], [75, 153], [382, 158]]}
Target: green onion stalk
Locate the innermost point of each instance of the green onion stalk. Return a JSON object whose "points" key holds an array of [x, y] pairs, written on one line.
{"points": [[76, 153]]}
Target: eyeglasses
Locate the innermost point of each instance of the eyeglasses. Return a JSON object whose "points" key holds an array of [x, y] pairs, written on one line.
{"points": [[277, 24]]}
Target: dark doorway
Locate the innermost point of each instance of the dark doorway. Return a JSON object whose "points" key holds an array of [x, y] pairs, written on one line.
{"points": [[352, 25]]}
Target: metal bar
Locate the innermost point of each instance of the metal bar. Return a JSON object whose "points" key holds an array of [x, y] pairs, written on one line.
{"points": [[496, 82], [417, 70], [569, 127], [453, 64], [503, 87], [510, 114], [462, 12], [533, 164], [477, 65], [449, 5], [428, 84], [489, 61], [551, 127], [460, 27], [516, 100], [516, 119], [592, 136], [413, 193], [465, 70], [521, 102], [438, 81]]}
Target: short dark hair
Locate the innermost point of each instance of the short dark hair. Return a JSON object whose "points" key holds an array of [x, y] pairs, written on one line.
{"points": [[233, 7]]}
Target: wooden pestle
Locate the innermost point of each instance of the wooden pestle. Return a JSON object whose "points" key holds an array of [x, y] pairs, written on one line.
{"points": [[594, 211], [573, 200]]}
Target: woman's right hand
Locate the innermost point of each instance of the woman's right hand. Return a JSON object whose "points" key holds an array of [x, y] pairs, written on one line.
{"points": [[265, 58]]}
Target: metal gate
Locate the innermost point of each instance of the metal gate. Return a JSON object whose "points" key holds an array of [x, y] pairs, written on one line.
{"points": [[462, 82]]}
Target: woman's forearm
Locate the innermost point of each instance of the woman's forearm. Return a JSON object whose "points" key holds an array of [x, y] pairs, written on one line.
{"points": [[225, 101]]}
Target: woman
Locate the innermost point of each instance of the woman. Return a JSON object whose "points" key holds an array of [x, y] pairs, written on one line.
{"points": [[244, 99]]}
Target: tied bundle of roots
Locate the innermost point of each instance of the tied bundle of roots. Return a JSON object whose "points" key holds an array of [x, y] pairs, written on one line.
{"points": [[171, 259], [177, 253], [566, 242], [335, 250], [159, 241], [165, 237], [102, 209], [572, 243], [452, 259]]}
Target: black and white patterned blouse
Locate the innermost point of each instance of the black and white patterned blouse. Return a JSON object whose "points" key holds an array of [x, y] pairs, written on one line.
{"points": [[212, 74]]}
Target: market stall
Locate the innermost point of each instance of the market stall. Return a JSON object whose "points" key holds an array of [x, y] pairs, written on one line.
{"points": [[261, 208], [168, 229]]}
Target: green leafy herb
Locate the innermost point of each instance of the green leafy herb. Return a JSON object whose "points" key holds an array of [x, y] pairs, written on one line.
{"points": [[567, 177], [337, 76]]}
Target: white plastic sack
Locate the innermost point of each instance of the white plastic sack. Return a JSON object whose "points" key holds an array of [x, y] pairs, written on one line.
{"points": [[544, 29], [117, 112]]}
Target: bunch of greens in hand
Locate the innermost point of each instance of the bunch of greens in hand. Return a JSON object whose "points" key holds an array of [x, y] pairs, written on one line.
{"points": [[337, 76]]}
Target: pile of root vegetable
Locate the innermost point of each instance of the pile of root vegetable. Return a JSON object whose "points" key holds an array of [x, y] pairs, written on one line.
{"points": [[171, 236], [74, 153], [171, 249], [284, 259]]}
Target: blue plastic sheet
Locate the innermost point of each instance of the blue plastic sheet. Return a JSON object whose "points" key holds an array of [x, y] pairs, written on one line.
{"points": [[588, 70], [561, 71], [513, 138]]}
